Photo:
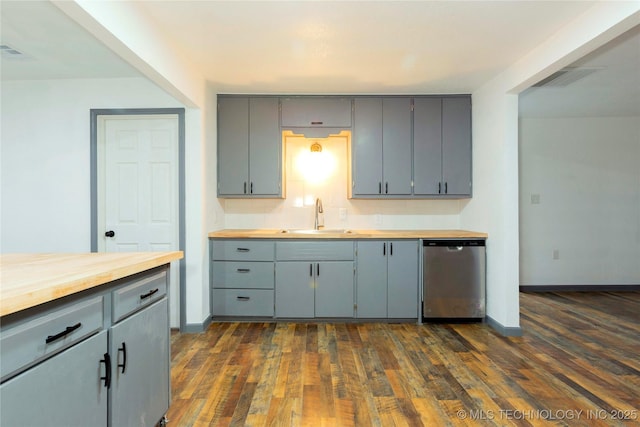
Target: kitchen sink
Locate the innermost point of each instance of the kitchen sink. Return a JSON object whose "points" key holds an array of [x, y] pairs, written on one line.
{"points": [[321, 231]]}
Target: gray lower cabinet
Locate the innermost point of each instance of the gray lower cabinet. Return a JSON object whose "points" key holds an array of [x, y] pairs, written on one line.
{"points": [[442, 146], [387, 279], [314, 279], [65, 390], [140, 361], [249, 147], [242, 278], [295, 289], [73, 363], [314, 289], [381, 145]]}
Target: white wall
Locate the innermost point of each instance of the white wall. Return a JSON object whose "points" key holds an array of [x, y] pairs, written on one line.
{"points": [[586, 174], [45, 189], [45, 157], [494, 208]]}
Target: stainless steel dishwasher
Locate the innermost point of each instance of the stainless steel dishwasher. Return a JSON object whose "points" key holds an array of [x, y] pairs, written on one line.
{"points": [[453, 279]]}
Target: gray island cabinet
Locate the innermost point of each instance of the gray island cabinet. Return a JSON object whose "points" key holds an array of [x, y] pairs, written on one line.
{"points": [[96, 350]]}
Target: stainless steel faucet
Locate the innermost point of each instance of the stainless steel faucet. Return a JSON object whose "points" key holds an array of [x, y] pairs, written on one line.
{"points": [[319, 220]]}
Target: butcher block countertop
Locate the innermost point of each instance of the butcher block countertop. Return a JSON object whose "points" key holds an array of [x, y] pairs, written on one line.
{"points": [[345, 234], [27, 280]]}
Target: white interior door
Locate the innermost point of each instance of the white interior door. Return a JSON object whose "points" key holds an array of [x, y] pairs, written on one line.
{"points": [[138, 208]]}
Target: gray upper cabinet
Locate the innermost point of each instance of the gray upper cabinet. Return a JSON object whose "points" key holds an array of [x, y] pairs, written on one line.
{"points": [[427, 146], [249, 147], [456, 146], [402, 147], [442, 146], [309, 112], [381, 147]]}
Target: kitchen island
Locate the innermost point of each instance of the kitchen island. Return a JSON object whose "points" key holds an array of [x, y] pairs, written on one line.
{"points": [[84, 338]]}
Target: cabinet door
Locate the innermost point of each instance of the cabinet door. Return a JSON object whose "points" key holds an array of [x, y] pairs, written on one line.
{"points": [[367, 147], [371, 281], [139, 348], [265, 145], [65, 390], [456, 145], [295, 289], [402, 279], [396, 143], [427, 146], [334, 289], [316, 112], [233, 146]]}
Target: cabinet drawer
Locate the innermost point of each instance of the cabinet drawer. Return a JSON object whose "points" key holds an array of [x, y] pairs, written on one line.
{"points": [[243, 302], [242, 250], [314, 251], [139, 294], [316, 112], [45, 336], [238, 274]]}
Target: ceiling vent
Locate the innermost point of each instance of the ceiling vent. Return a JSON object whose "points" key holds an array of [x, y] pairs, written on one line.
{"points": [[566, 76], [8, 52]]}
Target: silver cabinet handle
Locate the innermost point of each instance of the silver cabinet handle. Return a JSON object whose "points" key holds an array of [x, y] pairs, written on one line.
{"points": [[243, 298], [243, 270]]}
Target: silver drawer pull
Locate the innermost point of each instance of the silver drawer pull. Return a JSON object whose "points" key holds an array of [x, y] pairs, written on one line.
{"points": [[242, 249], [243, 270], [243, 298]]}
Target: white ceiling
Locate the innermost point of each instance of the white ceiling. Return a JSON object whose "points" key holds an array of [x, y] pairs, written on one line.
{"points": [[53, 46], [305, 46], [613, 89]]}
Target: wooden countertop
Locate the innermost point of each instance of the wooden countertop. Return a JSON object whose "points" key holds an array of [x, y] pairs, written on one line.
{"points": [[348, 234], [27, 280]]}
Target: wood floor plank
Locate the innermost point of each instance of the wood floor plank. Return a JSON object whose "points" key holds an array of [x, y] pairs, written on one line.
{"points": [[579, 352]]}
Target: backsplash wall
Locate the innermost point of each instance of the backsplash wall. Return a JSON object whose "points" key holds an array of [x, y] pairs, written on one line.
{"points": [[297, 210]]}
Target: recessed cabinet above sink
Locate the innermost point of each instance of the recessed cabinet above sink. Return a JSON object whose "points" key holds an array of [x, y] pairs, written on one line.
{"points": [[305, 112]]}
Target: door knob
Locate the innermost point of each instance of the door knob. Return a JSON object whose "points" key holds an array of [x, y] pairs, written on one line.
{"points": [[110, 233]]}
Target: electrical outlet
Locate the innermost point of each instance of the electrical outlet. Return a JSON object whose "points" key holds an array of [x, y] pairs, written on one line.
{"points": [[377, 219], [556, 254], [535, 199], [343, 214]]}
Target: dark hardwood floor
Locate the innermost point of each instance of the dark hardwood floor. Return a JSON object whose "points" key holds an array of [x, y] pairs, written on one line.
{"points": [[576, 364]]}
